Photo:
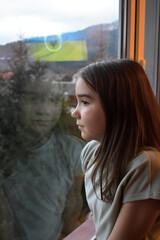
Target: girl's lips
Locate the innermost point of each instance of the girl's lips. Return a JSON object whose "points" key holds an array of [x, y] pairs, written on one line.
{"points": [[80, 126]]}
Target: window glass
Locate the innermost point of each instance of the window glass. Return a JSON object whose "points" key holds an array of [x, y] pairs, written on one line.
{"points": [[42, 45], [151, 45]]}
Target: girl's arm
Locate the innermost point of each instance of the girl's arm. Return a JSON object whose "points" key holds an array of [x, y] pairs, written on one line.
{"points": [[135, 220]]}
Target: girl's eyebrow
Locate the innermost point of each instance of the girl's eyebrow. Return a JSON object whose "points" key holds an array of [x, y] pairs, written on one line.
{"points": [[84, 95]]}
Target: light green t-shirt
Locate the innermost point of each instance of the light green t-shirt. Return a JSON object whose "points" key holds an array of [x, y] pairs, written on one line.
{"points": [[142, 181]]}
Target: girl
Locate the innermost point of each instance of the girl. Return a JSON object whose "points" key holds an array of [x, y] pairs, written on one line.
{"points": [[118, 111]]}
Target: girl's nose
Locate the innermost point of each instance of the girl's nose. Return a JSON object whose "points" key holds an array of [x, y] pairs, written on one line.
{"points": [[75, 113]]}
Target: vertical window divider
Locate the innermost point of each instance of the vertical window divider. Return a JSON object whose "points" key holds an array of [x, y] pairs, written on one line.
{"points": [[132, 30], [158, 59]]}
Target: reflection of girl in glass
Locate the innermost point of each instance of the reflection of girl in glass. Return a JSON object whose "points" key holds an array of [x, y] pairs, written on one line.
{"points": [[40, 171]]}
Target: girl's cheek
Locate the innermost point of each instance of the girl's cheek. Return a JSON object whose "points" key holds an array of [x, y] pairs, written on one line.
{"points": [[85, 114]]}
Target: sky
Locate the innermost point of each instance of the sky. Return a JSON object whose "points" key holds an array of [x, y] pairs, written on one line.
{"points": [[32, 18]]}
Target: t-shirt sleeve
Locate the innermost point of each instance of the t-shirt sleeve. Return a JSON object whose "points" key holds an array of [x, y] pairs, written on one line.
{"points": [[143, 178]]}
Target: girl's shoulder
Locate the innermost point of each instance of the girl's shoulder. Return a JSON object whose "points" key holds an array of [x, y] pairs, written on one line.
{"points": [[88, 153], [153, 157], [142, 177], [145, 166], [150, 156]]}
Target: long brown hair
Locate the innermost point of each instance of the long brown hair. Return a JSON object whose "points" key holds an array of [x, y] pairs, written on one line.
{"points": [[132, 118]]}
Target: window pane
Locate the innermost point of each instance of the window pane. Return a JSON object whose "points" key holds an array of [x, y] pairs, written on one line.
{"points": [[42, 45], [152, 43]]}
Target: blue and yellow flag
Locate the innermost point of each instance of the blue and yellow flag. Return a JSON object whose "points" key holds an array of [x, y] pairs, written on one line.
{"points": [[63, 47]]}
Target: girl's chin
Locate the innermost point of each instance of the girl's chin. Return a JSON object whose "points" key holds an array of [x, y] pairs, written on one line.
{"points": [[89, 138], [85, 137]]}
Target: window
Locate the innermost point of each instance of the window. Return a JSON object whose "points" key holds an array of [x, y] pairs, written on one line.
{"points": [[139, 36], [42, 45], [151, 49]]}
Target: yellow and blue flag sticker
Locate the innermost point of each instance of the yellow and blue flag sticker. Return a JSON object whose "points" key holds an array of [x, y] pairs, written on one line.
{"points": [[70, 46]]}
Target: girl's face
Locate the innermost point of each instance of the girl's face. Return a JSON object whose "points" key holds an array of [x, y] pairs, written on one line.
{"points": [[91, 119]]}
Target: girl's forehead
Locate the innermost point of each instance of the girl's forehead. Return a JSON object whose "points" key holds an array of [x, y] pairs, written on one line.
{"points": [[79, 80], [83, 89], [81, 84]]}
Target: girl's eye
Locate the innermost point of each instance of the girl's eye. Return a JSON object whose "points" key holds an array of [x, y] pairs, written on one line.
{"points": [[85, 102]]}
